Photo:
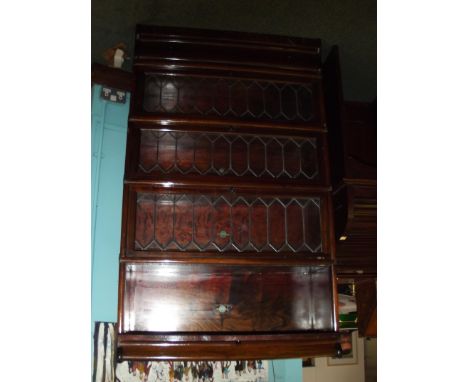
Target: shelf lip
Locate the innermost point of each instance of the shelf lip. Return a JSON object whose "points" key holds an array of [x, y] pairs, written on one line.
{"points": [[167, 120], [253, 346], [231, 129], [113, 77], [360, 182], [148, 32], [228, 258], [231, 184], [289, 74], [148, 337], [147, 38]]}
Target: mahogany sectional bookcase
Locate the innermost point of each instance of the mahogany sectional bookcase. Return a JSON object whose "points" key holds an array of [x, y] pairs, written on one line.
{"points": [[227, 247]]}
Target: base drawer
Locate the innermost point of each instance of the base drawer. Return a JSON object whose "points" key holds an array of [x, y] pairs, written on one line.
{"points": [[201, 298]]}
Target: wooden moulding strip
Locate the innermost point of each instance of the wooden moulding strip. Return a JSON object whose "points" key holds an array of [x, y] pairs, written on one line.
{"points": [[152, 32], [287, 73], [166, 120], [232, 259], [230, 185], [268, 346]]}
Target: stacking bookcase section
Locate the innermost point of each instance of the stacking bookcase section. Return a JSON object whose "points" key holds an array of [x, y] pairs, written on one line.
{"points": [[224, 80], [160, 153], [172, 220], [226, 298], [188, 222], [225, 97], [227, 245]]}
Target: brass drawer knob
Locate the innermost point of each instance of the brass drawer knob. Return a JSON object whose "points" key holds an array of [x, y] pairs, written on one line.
{"points": [[223, 308]]}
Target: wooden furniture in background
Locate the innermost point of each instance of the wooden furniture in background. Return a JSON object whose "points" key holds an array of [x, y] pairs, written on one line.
{"points": [[366, 300], [353, 152], [227, 247]]}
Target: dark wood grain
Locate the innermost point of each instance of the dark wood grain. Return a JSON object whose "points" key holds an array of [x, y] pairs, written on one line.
{"points": [[113, 77], [174, 120], [227, 236], [237, 347], [334, 106], [192, 298], [217, 48], [366, 301], [234, 258], [353, 151]]}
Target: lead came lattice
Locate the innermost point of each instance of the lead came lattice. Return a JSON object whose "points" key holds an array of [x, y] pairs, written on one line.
{"points": [[185, 222], [228, 154], [228, 97]]}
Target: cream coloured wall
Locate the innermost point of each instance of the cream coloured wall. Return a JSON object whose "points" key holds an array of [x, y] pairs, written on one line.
{"points": [[339, 373]]}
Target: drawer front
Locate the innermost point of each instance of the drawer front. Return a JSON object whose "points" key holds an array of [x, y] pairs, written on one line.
{"points": [[219, 298], [225, 222], [230, 98], [249, 156]]}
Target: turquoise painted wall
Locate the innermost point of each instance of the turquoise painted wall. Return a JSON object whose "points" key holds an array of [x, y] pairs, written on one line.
{"points": [[109, 133], [285, 370]]}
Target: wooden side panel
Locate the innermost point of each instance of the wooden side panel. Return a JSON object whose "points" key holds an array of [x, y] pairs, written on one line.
{"points": [[361, 140], [334, 106], [366, 300], [356, 216]]}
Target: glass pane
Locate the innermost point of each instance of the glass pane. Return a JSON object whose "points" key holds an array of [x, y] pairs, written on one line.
{"points": [[218, 223], [231, 98], [227, 154]]}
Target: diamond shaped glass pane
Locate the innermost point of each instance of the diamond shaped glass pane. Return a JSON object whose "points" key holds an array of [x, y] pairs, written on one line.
{"points": [[312, 226], [305, 103], [144, 224], [164, 230], [187, 95], [205, 92], [184, 151], [202, 153], [222, 227], [295, 225], [183, 221], [169, 94], [152, 97], [309, 159], [272, 101], [221, 155], [255, 99], [277, 225], [292, 158], [239, 156], [239, 98], [203, 222], [221, 101], [240, 224], [274, 157], [148, 149], [257, 157], [288, 102], [259, 227], [166, 148]]}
